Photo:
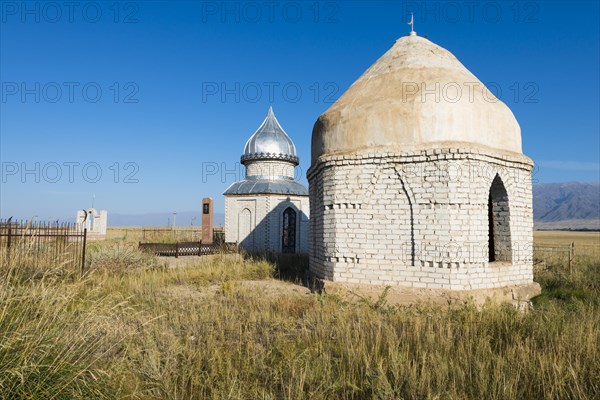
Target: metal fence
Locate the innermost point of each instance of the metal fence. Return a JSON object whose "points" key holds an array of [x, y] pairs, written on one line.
{"points": [[563, 255], [187, 248], [174, 234], [42, 244], [163, 234], [543, 252]]}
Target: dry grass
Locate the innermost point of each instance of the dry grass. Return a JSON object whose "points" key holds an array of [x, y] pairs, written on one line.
{"points": [[224, 329], [157, 234], [118, 257], [564, 237], [587, 249]]}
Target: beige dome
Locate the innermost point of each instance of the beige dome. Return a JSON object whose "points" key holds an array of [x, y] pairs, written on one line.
{"points": [[416, 96]]}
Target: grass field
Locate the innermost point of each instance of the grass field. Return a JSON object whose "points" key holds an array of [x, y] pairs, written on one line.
{"points": [[224, 327], [565, 237], [551, 249], [158, 234]]}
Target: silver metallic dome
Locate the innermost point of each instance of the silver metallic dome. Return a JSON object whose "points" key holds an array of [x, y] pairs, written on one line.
{"points": [[270, 142]]}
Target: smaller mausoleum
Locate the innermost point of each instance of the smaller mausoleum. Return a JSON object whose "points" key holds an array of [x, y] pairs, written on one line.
{"points": [[95, 222], [268, 211]]}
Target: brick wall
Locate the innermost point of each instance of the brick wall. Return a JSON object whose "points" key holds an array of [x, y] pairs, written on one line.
{"points": [[266, 224], [270, 168], [421, 219]]}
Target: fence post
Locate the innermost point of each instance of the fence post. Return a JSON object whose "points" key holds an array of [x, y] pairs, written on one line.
{"points": [[83, 251], [9, 237], [571, 257], [176, 249]]}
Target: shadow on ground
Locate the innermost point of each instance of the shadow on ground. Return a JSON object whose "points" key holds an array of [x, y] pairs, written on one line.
{"points": [[288, 267]]}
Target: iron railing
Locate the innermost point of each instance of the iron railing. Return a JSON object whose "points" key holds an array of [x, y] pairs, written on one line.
{"points": [[187, 249], [42, 244]]}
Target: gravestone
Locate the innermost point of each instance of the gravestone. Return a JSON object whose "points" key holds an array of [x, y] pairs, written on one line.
{"points": [[207, 220]]}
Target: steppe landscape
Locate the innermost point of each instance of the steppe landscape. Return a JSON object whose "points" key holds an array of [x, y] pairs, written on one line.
{"points": [[299, 200], [229, 326]]}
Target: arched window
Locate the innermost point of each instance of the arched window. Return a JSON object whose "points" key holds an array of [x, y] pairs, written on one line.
{"points": [[499, 244], [91, 219], [288, 233]]}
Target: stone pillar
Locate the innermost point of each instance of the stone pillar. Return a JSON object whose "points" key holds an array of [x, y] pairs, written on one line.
{"points": [[207, 220], [101, 222]]}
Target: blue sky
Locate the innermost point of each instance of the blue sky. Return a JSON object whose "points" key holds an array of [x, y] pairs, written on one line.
{"points": [[147, 105]]}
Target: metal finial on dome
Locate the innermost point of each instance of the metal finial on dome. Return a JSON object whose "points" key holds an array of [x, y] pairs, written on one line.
{"points": [[412, 25], [270, 142]]}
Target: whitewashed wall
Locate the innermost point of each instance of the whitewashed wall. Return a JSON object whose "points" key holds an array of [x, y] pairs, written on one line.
{"points": [[256, 222], [418, 219]]}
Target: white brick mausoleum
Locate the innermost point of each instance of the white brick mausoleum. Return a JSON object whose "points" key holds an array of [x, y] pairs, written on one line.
{"points": [[418, 179], [268, 210]]}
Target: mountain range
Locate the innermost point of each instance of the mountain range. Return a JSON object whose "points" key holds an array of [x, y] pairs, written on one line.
{"points": [[184, 218], [570, 206]]}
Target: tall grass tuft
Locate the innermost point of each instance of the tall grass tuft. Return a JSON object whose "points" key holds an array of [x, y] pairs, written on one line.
{"points": [[119, 257], [50, 342]]}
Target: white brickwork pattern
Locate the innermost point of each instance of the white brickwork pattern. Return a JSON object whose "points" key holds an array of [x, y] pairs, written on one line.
{"points": [[270, 169], [421, 219], [266, 222]]}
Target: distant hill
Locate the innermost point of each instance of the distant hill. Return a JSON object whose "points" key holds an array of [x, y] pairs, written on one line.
{"points": [[570, 205], [183, 218]]}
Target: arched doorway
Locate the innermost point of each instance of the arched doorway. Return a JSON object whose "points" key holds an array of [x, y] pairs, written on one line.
{"points": [[245, 231], [288, 232], [499, 241]]}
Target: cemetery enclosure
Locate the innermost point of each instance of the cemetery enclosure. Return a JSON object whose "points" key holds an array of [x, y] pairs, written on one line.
{"points": [[42, 244]]}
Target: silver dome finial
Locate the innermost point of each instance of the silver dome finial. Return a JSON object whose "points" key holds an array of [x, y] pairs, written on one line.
{"points": [[270, 142]]}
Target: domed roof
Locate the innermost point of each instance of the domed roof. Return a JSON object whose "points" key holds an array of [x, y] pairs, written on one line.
{"points": [[270, 142], [416, 96], [253, 185]]}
